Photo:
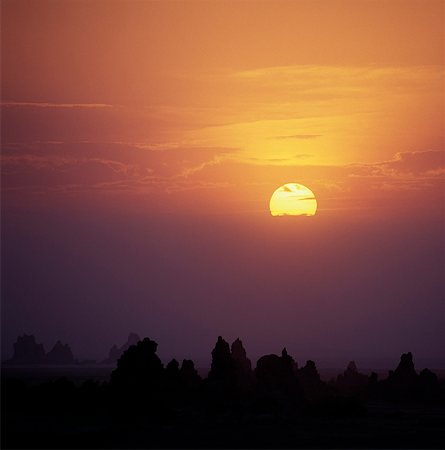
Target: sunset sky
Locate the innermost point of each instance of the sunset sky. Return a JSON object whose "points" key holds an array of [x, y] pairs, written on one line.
{"points": [[142, 141]]}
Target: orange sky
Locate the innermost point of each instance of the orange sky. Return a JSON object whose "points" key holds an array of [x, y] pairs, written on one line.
{"points": [[149, 98], [142, 141]]}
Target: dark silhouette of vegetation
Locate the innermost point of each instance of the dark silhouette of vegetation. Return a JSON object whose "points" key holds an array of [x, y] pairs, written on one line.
{"points": [[276, 404]]}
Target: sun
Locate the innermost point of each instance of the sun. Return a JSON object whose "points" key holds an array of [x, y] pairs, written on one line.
{"points": [[293, 199]]}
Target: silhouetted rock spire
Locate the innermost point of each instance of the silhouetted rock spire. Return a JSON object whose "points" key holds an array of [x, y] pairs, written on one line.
{"points": [[310, 380], [309, 373], [242, 365], [239, 353], [351, 380], [230, 376], [172, 373], [222, 367], [405, 376], [405, 370], [189, 374], [173, 382], [60, 354], [288, 362], [27, 351], [172, 367]]}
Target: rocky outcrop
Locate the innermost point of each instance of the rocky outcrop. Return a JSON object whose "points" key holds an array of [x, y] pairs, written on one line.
{"points": [[310, 381], [242, 365], [230, 365], [116, 352], [139, 367], [406, 369], [308, 374], [138, 383], [27, 351], [273, 371], [222, 362], [351, 380], [189, 374], [276, 380], [405, 376], [60, 354]]}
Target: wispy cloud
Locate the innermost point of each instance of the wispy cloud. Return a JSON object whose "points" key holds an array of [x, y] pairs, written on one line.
{"points": [[54, 105], [311, 75], [298, 136], [49, 165], [429, 163], [335, 113]]}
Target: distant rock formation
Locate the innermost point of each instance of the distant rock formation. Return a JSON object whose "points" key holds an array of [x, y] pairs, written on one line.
{"points": [[172, 374], [269, 370], [240, 356], [308, 374], [189, 375], [273, 370], [138, 381], [428, 384], [352, 380], [173, 383], [242, 365], [230, 369], [60, 354], [352, 376], [310, 380], [222, 367], [230, 377], [289, 362], [275, 376], [405, 376], [139, 367], [27, 351], [116, 352]]}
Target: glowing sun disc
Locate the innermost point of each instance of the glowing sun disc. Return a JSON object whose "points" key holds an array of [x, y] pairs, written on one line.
{"points": [[293, 199]]}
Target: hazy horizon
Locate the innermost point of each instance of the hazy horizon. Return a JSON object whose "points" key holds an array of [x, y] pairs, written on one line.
{"points": [[258, 281]]}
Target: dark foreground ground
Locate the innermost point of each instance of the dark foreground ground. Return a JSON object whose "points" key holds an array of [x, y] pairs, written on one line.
{"points": [[397, 428], [30, 423]]}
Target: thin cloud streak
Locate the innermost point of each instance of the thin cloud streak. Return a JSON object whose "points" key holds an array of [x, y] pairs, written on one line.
{"points": [[298, 136], [54, 105]]}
